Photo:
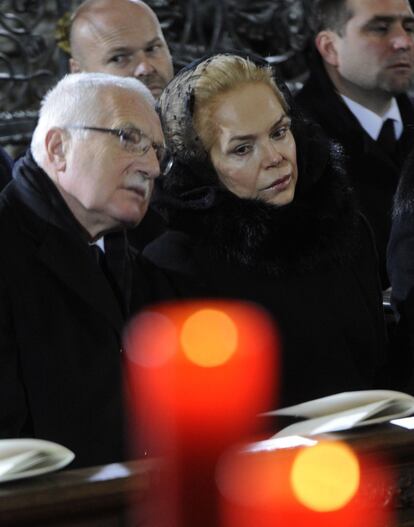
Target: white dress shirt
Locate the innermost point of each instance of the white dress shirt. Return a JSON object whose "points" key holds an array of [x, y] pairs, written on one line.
{"points": [[372, 122]]}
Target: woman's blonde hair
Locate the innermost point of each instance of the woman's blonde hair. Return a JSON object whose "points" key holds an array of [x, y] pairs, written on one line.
{"points": [[221, 75]]}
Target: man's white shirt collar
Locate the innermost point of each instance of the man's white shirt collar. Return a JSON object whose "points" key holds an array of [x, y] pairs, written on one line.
{"points": [[100, 243], [371, 122]]}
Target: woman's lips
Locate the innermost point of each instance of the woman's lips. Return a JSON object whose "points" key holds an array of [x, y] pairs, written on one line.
{"points": [[279, 185]]}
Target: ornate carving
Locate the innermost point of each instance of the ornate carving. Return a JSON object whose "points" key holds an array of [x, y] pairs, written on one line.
{"points": [[276, 29], [29, 63], [30, 60]]}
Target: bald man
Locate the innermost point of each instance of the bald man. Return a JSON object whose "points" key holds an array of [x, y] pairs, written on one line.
{"points": [[121, 37]]}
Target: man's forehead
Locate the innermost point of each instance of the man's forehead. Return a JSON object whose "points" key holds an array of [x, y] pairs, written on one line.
{"points": [[119, 28], [370, 9], [130, 109]]}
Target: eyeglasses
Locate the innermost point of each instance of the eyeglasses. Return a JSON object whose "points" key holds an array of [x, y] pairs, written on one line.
{"points": [[136, 142]]}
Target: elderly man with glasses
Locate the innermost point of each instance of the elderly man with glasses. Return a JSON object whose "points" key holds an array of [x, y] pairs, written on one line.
{"points": [[68, 279]]}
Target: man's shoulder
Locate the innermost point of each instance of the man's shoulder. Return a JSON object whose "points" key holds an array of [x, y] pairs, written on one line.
{"points": [[405, 103], [309, 89], [8, 209], [317, 85], [318, 101], [17, 220]]}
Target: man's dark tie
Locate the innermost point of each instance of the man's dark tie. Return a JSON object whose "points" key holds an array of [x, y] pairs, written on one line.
{"points": [[386, 139], [112, 269], [98, 255]]}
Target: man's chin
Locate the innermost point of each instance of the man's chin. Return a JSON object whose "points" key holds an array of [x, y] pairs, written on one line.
{"points": [[399, 86], [131, 223]]}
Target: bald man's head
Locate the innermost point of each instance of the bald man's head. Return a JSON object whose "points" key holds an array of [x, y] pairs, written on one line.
{"points": [[121, 37]]}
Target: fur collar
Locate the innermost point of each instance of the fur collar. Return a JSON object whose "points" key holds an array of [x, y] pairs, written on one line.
{"points": [[317, 230]]}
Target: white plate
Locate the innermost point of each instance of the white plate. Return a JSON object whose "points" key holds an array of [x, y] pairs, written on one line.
{"points": [[24, 458]]}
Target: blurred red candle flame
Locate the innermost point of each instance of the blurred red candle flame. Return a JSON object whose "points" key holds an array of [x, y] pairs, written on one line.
{"points": [[324, 485], [199, 373], [210, 366]]}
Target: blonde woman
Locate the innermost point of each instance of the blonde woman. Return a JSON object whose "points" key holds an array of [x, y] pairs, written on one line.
{"points": [[259, 210]]}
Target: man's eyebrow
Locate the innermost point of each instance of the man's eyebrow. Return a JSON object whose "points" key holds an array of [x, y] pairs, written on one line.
{"points": [[120, 49], [155, 40], [252, 136], [390, 19], [130, 49]]}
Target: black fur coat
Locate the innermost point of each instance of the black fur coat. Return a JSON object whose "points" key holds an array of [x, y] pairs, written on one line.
{"points": [[311, 264]]}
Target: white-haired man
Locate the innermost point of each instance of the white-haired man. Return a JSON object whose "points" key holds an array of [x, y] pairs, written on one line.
{"points": [[65, 294]]}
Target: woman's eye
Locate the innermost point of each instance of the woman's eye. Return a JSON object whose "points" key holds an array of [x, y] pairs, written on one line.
{"points": [[279, 133], [242, 150]]}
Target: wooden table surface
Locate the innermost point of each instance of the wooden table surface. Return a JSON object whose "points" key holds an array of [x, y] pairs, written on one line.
{"points": [[101, 496]]}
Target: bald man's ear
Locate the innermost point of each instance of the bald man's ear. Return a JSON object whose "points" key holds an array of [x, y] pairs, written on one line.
{"points": [[74, 66], [326, 43], [56, 144]]}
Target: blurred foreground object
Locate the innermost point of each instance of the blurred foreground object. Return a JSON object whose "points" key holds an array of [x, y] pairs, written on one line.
{"points": [[200, 372], [323, 484]]}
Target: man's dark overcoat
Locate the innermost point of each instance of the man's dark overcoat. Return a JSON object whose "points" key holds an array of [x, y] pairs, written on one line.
{"points": [[400, 263], [61, 323], [373, 173]]}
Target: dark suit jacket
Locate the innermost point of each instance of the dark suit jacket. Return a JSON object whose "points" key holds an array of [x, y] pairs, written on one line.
{"points": [[60, 325], [374, 175]]}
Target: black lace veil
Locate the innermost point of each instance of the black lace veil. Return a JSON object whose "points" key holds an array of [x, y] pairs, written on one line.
{"points": [[192, 176]]}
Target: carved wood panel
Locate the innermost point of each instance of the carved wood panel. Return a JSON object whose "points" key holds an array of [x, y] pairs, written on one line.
{"points": [[33, 34]]}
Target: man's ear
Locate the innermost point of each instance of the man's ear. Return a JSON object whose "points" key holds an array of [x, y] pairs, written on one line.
{"points": [[56, 143], [74, 66], [326, 43]]}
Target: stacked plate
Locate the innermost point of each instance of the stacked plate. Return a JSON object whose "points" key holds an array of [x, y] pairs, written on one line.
{"points": [[24, 458]]}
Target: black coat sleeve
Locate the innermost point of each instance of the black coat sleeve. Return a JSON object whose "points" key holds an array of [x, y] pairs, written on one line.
{"points": [[13, 407], [400, 264]]}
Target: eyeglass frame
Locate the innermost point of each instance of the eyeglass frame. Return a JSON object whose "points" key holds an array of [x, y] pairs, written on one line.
{"points": [[165, 159]]}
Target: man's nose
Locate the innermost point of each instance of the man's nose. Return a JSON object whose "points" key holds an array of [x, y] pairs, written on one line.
{"points": [[149, 164], [401, 39], [144, 67]]}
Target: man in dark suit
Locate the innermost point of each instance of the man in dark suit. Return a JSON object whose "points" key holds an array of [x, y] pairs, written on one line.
{"points": [[363, 66], [65, 292]]}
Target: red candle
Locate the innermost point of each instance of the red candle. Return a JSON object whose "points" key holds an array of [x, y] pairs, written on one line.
{"points": [[322, 485], [200, 373]]}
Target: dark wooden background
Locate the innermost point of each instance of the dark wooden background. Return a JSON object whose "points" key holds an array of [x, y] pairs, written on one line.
{"points": [[33, 39]]}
